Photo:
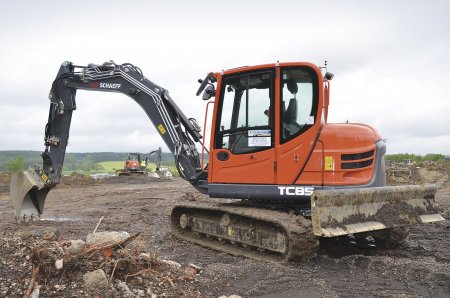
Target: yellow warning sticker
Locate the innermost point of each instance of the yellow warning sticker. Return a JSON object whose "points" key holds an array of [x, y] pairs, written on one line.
{"points": [[161, 128], [230, 231], [328, 163], [44, 177]]}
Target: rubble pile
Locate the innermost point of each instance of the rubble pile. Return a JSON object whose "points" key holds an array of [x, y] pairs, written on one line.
{"points": [[416, 173], [107, 264], [5, 179], [77, 179]]}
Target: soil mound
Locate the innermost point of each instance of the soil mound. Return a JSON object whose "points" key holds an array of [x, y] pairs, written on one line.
{"points": [[5, 179], [77, 179], [420, 173]]}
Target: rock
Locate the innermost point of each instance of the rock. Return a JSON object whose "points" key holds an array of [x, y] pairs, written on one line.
{"points": [[172, 263], [153, 175], [196, 269], [190, 271], [59, 264], [60, 288], [231, 296], [137, 244], [95, 279], [50, 234], [76, 246], [35, 293], [139, 280], [24, 234], [123, 287], [144, 255], [106, 237], [149, 291]]}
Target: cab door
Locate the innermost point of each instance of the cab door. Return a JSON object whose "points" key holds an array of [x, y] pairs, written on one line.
{"points": [[298, 120], [243, 144]]}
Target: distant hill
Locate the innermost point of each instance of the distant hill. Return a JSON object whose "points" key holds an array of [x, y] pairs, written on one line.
{"points": [[72, 161]]}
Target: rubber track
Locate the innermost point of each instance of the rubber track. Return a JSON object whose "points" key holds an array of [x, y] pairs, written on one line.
{"points": [[302, 243]]}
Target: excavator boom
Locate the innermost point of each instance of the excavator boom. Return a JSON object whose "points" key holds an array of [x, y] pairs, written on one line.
{"points": [[29, 189]]}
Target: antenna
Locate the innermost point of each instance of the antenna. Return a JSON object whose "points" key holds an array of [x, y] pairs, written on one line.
{"points": [[325, 66]]}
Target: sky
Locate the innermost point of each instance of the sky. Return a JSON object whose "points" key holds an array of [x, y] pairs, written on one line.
{"points": [[389, 58]]}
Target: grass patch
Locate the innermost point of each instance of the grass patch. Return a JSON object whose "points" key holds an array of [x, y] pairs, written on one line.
{"points": [[111, 166]]}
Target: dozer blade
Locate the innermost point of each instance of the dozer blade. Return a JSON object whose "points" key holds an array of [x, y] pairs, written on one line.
{"points": [[349, 211], [28, 192]]}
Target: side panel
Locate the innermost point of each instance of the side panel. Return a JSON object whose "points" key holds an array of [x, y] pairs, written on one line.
{"points": [[352, 153], [255, 167]]}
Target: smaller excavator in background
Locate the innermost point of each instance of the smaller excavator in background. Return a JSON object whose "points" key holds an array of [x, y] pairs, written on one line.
{"points": [[136, 165]]}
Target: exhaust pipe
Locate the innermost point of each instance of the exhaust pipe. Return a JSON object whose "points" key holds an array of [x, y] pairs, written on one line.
{"points": [[28, 191]]}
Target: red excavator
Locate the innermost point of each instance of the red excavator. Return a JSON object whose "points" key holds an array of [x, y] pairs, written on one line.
{"points": [[133, 166], [293, 176], [136, 164]]}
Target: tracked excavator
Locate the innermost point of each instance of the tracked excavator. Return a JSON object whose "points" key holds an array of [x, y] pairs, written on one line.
{"points": [[133, 165], [136, 164], [292, 177]]}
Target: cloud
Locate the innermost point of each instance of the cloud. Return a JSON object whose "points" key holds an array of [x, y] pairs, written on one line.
{"points": [[389, 60]]}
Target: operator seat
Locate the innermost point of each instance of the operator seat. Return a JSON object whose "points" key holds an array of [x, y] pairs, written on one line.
{"points": [[290, 115], [290, 125]]}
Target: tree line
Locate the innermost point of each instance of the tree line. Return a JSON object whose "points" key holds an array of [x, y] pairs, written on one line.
{"points": [[415, 157]]}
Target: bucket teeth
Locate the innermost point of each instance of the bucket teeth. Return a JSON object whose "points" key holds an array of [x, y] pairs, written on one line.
{"points": [[350, 211], [28, 192]]}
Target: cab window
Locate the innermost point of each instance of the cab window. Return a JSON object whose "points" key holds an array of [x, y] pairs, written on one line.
{"points": [[299, 100], [246, 114]]}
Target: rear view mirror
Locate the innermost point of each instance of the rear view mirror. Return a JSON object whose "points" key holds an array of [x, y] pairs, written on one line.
{"points": [[209, 92]]}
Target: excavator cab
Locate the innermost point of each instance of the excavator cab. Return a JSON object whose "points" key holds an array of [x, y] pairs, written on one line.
{"points": [[133, 161], [261, 114]]}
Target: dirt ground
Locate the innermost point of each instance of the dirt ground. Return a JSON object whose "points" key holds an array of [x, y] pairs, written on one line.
{"points": [[420, 268]]}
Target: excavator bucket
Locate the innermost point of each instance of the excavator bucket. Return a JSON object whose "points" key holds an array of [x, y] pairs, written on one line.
{"points": [[28, 192], [350, 211]]}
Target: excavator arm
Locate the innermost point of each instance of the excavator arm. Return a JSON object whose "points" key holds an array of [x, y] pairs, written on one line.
{"points": [[29, 189], [158, 153]]}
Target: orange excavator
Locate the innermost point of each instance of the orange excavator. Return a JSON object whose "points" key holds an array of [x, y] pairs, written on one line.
{"points": [[293, 176], [134, 165]]}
